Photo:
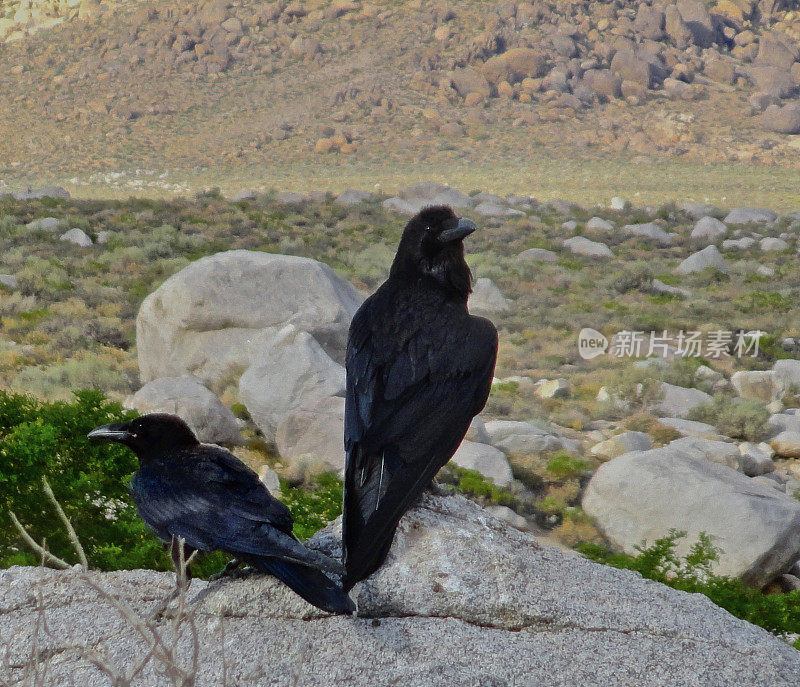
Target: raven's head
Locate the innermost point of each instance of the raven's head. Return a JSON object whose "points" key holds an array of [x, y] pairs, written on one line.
{"points": [[432, 245], [148, 435]]}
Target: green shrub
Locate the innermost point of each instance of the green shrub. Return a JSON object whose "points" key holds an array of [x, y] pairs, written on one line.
{"points": [[313, 508], [741, 418], [562, 465], [49, 439], [473, 483], [777, 613]]}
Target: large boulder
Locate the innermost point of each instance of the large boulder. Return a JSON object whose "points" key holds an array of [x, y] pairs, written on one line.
{"points": [[289, 372], [512, 436], [642, 495], [187, 398], [463, 599], [310, 438], [649, 231], [678, 401], [487, 299], [213, 317], [722, 452], [787, 372], [709, 228], [487, 460], [763, 385], [702, 259], [580, 245], [782, 119]]}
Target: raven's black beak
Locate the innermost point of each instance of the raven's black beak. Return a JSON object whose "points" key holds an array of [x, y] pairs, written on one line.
{"points": [[463, 228], [117, 431]]}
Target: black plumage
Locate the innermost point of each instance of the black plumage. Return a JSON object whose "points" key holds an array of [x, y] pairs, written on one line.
{"points": [[419, 368], [205, 495]]}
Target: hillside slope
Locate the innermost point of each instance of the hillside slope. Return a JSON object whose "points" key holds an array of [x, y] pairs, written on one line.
{"points": [[292, 94]]}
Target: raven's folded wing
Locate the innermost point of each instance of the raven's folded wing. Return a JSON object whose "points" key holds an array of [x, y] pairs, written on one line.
{"points": [[413, 386]]}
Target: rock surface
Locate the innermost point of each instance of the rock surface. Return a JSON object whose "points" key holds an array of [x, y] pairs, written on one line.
{"points": [[187, 398], [309, 438], [486, 298], [290, 371], [642, 495], [506, 612], [485, 459], [214, 316]]}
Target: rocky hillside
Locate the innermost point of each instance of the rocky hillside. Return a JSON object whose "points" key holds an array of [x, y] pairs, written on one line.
{"points": [[462, 595], [150, 94]]}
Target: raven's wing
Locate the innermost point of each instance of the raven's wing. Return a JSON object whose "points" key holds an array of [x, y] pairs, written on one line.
{"points": [[418, 370], [214, 501]]}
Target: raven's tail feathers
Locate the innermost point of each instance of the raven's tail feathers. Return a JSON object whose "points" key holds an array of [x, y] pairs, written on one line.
{"points": [[310, 583]]}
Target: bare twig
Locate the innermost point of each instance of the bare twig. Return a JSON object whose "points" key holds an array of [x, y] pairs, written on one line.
{"points": [[44, 553], [166, 654], [73, 536]]}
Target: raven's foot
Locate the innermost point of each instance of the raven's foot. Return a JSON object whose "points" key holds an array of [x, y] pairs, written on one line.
{"points": [[230, 570]]}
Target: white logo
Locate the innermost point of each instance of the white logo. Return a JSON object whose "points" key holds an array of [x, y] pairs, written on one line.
{"points": [[591, 343]]}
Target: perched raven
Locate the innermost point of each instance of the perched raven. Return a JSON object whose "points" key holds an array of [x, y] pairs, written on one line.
{"points": [[209, 498], [419, 368]]}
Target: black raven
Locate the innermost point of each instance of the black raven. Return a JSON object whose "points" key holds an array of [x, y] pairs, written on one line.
{"points": [[207, 497], [419, 368]]}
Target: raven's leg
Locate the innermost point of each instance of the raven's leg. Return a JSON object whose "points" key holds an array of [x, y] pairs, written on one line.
{"points": [[228, 571], [181, 554]]}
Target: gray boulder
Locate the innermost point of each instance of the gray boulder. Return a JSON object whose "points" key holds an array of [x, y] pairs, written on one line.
{"points": [[487, 299], [691, 428], [744, 243], [747, 215], [708, 229], [487, 209], [187, 398], [641, 496], [649, 232], [786, 444], [538, 255], [213, 317], [756, 459], [425, 193], [763, 385], [77, 237], [512, 436], [677, 401], [583, 246], [787, 372], [697, 262], [44, 224], [351, 197], [782, 119], [400, 205], [291, 371], [722, 452], [9, 281], [659, 286], [621, 443], [599, 224], [309, 437], [463, 599], [485, 459], [772, 243]]}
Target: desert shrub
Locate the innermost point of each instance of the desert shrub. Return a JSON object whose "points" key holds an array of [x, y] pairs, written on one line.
{"points": [[777, 613], [49, 439], [314, 506], [649, 424], [741, 418], [561, 465], [86, 370], [634, 276], [473, 483]]}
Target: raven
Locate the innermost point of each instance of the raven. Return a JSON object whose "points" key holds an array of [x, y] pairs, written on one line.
{"points": [[419, 368], [205, 496]]}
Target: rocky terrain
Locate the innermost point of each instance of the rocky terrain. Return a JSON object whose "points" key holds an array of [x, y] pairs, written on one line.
{"points": [[163, 97], [506, 611]]}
